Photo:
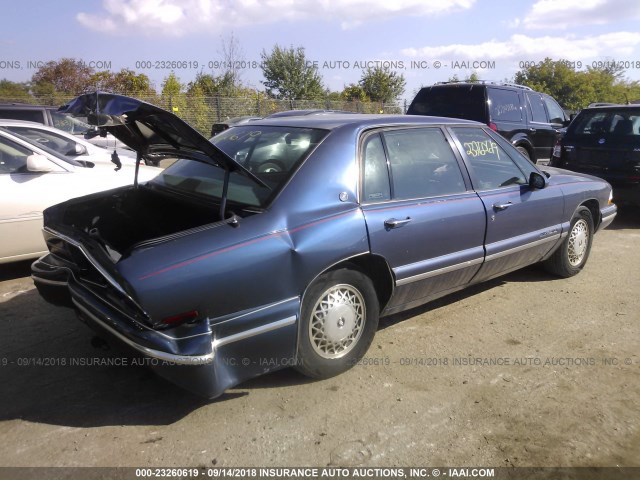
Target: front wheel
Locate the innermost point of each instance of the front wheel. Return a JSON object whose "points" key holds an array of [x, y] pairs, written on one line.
{"points": [[339, 320], [572, 255]]}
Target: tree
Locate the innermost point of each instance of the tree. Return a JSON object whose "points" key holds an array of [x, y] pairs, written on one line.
{"points": [[382, 85], [354, 92], [67, 75], [288, 74], [211, 85], [233, 56], [575, 89], [173, 94], [14, 91], [125, 81]]}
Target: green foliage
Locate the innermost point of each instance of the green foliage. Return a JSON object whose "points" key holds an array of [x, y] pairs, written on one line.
{"points": [[382, 85], [574, 89], [67, 76], [173, 95], [14, 91], [289, 75], [474, 77], [354, 92]]}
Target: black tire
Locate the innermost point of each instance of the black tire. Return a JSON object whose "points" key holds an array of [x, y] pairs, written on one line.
{"points": [[324, 350], [574, 251]]}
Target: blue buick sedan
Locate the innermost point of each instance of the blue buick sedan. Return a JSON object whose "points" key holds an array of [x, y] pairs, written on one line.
{"points": [[282, 242]]}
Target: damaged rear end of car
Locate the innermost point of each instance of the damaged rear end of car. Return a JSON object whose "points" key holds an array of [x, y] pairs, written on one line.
{"points": [[155, 266]]}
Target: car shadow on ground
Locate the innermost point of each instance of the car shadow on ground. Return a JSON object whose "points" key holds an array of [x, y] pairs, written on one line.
{"points": [[14, 270], [52, 374]]}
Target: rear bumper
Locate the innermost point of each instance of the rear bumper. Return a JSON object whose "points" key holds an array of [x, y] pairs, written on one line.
{"points": [[205, 363]]}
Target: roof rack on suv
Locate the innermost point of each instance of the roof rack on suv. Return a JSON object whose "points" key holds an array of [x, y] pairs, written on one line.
{"points": [[486, 82]]}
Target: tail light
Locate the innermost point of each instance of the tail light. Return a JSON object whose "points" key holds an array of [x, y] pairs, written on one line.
{"points": [[493, 126]]}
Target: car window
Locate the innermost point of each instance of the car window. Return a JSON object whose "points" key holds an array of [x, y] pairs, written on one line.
{"points": [[556, 114], [456, 101], [376, 176], [504, 105], [607, 123], [422, 164], [30, 115], [68, 123], [13, 157], [270, 153], [55, 142], [490, 164], [536, 108]]}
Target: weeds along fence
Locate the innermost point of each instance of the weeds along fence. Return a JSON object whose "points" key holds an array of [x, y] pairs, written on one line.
{"points": [[201, 112]]}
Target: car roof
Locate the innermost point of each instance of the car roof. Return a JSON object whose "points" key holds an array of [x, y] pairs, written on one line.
{"points": [[333, 121], [26, 106], [611, 108], [23, 123]]}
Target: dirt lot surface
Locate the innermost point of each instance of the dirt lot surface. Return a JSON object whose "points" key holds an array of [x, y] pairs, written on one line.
{"points": [[526, 370]]}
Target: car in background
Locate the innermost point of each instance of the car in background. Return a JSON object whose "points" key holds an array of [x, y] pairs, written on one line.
{"points": [[50, 116], [33, 178], [218, 127], [531, 121], [217, 273], [68, 145], [605, 142]]}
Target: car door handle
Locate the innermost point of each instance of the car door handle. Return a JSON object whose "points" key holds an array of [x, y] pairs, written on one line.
{"points": [[395, 223], [501, 206]]}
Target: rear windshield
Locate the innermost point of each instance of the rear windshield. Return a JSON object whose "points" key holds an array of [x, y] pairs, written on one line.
{"points": [[459, 101], [271, 153], [623, 124]]}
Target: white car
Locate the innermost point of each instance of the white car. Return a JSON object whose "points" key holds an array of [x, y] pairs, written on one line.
{"points": [[67, 144], [33, 178]]}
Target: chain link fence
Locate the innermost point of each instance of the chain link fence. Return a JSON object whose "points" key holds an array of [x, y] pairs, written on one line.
{"points": [[201, 112]]}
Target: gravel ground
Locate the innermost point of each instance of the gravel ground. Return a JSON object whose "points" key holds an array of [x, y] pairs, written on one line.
{"points": [[525, 370]]}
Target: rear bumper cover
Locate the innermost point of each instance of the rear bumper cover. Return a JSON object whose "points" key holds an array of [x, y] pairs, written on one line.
{"points": [[205, 364]]}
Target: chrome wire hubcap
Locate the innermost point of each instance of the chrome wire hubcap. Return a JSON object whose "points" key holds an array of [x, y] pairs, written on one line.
{"points": [[578, 241], [337, 321]]}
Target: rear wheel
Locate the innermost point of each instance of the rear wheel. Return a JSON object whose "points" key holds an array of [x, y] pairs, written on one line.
{"points": [[572, 255], [339, 319]]}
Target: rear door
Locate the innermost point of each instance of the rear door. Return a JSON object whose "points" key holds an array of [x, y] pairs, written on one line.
{"points": [[421, 213], [541, 131], [522, 224]]}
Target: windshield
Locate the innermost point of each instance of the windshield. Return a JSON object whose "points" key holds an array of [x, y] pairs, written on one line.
{"points": [[270, 153], [623, 124]]}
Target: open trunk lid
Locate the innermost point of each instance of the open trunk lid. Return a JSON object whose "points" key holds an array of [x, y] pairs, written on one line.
{"points": [[148, 129]]}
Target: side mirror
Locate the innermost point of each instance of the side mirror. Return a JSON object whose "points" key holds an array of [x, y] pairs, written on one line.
{"points": [[536, 181], [80, 149], [39, 163]]}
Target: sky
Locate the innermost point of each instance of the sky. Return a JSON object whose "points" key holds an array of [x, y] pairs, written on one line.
{"points": [[426, 40]]}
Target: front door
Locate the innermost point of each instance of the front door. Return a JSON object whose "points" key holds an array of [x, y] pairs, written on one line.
{"points": [[523, 223]]}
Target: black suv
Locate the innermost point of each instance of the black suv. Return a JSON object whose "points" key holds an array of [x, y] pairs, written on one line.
{"points": [[605, 142], [531, 121]]}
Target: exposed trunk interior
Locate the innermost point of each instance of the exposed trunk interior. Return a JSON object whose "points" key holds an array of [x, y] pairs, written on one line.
{"points": [[122, 219]]}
